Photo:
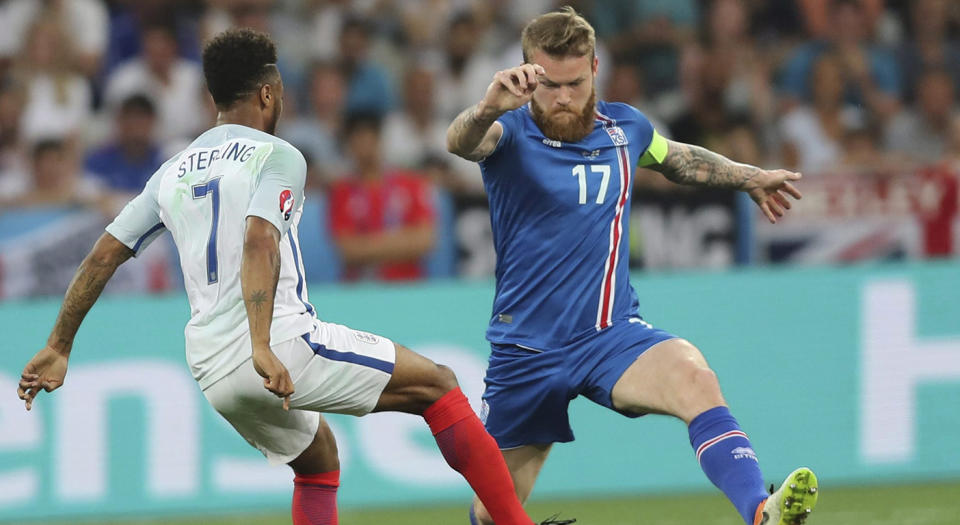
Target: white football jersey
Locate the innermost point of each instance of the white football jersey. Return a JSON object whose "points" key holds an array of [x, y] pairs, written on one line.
{"points": [[203, 196]]}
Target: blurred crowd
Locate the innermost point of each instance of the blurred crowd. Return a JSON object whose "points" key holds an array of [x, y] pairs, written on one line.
{"points": [[96, 94]]}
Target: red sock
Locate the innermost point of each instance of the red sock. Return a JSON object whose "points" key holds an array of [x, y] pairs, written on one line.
{"points": [[470, 450], [315, 498]]}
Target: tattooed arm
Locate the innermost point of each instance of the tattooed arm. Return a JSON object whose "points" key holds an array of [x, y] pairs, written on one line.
{"points": [[695, 166], [474, 134], [259, 273], [47, 369]]}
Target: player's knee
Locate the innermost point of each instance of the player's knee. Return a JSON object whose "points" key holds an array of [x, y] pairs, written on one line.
{"points": [[700, 390], [446, 379], [704, 381], [441, 381]]}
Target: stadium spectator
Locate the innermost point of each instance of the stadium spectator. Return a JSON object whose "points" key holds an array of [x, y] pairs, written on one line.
{"points": [[415, 131], [13, 169], [726, 40], [368, 85], [173, 83], [929, 44], [55, 180], [862, 153], [921, 131], [85, 24], [317, 133], [652, 32], [129, 17], [424, 21], [706, 117], [58, 99], [464, 72], [625, 84], [415, 134], [813, 133], [382, 219], [126, 163], [870, 74]]}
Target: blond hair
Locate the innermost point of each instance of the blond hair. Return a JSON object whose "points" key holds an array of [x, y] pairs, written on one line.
{"points": [[562, 33]]}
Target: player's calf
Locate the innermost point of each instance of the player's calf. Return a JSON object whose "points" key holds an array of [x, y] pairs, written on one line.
{"points": [[316, 480], [420, 386]]}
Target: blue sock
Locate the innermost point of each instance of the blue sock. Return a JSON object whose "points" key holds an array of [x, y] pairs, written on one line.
{"points": [[728, 460]]}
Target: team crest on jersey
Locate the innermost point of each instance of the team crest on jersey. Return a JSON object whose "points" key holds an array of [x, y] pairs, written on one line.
{"points": [[617, 135], [286, 204]]}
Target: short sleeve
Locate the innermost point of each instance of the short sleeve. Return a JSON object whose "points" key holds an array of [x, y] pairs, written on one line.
{"points": [[139, 224], [278, 193], [509, 122], [654, 145]]}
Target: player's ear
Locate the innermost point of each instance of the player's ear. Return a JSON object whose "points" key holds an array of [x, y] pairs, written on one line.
{"points": [[266, 95], [596, 64]]}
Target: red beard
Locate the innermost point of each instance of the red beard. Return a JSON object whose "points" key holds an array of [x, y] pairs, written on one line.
{"points": [[572, 127]]}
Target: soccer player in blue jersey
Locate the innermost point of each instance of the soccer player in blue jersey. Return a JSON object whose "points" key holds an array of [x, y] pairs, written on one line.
{"points": [[558, 167]]}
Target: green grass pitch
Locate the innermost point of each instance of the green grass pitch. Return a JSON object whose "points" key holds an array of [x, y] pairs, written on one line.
{"points": [[923, 504]]}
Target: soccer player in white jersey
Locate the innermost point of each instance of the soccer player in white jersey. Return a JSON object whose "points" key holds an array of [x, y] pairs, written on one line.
{"points": [[232, 201]]}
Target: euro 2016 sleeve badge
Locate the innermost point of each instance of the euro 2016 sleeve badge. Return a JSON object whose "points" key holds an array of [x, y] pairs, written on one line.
{"points": [[286, 204]]}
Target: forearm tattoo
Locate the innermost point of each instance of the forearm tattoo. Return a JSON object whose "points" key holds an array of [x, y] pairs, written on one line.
{"points": [[84, 289], [696, 166], [257, 299], [467, 131]]}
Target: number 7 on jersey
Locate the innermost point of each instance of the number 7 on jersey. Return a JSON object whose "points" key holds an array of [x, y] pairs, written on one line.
{"points": [[581, 171], [200, 191]]}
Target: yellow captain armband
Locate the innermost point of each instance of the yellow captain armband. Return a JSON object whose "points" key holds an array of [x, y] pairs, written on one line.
{"points": [[656, 152]]}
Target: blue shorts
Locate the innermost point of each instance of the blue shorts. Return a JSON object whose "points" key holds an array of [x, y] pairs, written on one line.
{"points": [[528, 391]]}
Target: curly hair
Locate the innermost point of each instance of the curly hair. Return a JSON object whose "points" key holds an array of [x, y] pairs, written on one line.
{"points": [[236, 63]]}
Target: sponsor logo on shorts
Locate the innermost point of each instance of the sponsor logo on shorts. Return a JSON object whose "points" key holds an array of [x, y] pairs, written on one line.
{"points": [[744, 453], [286, 204], [365, 337]]}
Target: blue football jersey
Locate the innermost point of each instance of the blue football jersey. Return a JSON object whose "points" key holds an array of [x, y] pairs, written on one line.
{"points": [[560, 218]]}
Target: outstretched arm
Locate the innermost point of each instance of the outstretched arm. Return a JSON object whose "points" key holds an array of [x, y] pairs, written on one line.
{"points": [[259, 274], [49, 366], [695, 166]]}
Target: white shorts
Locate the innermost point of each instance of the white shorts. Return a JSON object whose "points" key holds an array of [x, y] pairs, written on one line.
{"points": [[334, 369]]}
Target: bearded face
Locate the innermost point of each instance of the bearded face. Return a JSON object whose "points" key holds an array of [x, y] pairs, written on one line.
{"points": [[566, 124], [564, 102]]}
